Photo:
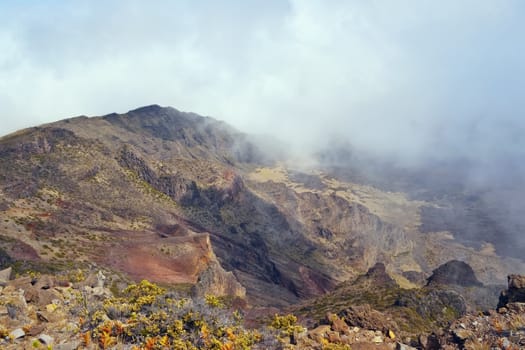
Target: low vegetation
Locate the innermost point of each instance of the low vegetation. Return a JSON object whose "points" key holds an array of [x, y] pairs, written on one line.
{"points": [[149, 317]]}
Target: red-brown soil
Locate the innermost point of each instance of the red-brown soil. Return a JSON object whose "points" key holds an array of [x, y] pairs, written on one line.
{"points": [[146, 255]]}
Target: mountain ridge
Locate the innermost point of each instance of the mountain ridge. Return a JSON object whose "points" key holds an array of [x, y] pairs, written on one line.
{"points": [[95, 182]]}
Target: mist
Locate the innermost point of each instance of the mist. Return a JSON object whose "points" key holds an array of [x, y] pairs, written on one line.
{"points": [[412, 83]]}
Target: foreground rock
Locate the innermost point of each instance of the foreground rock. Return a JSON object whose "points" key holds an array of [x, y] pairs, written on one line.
{"points": [[495, 330], [440, 315], [515, 291], [38, 310], [501, 329], [54, 311], [5, 275], [336, 333]]}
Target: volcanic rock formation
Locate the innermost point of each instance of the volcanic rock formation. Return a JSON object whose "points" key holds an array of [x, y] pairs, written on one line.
{"points": [[161, 194]]}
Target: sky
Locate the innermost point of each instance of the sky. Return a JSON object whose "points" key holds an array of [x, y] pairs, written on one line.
{"points": [[408, 78]]}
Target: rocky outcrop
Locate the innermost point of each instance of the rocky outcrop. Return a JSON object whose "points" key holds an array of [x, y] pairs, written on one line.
{"points": [[504, 329], [5, 276], [439, 305], [338, 333], [175, 187], [5, 259], [36, 141], [454, 272], [375, 301], [416, 277], [32, 312], [379, 275], [515, 292], [216, 281], [364, 316], [161, 258]]}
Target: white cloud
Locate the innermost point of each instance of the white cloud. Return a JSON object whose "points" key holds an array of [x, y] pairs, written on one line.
{"points": [[385, 75]]}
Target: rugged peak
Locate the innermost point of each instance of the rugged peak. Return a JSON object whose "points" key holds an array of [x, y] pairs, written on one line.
{"points": [[148, 109], [170, 124], [378, 273], [154, 111], [454, 272]]}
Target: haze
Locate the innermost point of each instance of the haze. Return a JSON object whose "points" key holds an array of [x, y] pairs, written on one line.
{"points": [[404, 76]]}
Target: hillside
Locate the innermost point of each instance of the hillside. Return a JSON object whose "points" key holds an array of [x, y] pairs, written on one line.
{"points": [[187, 201]]}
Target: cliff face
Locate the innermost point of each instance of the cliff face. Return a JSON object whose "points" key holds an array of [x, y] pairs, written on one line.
{"points": [[177, 198]]}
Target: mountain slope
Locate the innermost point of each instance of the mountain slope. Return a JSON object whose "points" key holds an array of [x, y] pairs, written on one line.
{"points": [[165, 195]]}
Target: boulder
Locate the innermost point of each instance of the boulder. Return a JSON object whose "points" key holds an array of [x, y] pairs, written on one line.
{"points": [[5, 276], [515, 292], [516, 308], [101, 279], [45, 339], [17, 334], [15, 304]]}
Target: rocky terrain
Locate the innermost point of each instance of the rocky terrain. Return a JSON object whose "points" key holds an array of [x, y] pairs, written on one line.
{"points": [[78, 311], [160, 194], [200, 209]]}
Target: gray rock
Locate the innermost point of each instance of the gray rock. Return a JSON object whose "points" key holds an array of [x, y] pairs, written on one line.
{"points": [[5, 276], [67, 346], [400, 346], [12, 311], [45, 339], [17, 334], [100, 279], [518, 308], [515, 291]]}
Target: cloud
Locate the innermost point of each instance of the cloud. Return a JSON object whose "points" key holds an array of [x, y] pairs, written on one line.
{"points": [[406, 78]]}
